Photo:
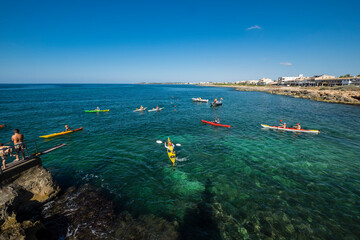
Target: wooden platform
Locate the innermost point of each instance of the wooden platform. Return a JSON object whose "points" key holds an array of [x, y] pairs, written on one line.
{"points": [[14, 168]]}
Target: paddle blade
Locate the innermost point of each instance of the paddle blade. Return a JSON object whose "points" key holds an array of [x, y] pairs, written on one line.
{"points": [[158, 141]]}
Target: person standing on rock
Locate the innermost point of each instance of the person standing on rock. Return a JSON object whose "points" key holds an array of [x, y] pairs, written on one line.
{"points": [[19, 145]]}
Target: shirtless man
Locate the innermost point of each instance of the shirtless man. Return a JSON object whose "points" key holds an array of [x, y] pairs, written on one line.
{"points": [[19, 146]]}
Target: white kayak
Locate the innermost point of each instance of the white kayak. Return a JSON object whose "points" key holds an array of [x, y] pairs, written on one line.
{"points": [[154, 110], [290, 129], [140, 110], [200, 100]]}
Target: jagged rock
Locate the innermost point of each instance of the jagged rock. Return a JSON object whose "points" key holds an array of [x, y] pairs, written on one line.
{"points": [[20, 200], [79, 213]]}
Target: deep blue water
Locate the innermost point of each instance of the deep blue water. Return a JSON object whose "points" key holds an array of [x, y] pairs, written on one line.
{"points": [[259, 183]]}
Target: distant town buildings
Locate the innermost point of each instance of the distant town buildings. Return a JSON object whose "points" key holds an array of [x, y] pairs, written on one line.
{"points": [[300, 80], [265, 81], [317, 80]]}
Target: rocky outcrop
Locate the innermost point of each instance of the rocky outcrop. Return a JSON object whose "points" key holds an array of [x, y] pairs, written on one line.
{"points": [[317, 94], [20, 200], [83, 213], [32, 208]]}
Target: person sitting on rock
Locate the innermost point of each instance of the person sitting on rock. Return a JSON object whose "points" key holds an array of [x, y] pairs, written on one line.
{"points": [[4, 152]]}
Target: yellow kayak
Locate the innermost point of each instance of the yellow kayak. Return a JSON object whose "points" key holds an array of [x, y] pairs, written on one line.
{"points": [[61, 133], [171, 152]]}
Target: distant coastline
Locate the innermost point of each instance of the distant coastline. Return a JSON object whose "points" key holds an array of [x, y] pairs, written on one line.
{"points": [[339, 94], [342, 95]]}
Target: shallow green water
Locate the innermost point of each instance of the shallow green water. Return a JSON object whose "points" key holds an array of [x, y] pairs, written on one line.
{"points": [[257, 183]]}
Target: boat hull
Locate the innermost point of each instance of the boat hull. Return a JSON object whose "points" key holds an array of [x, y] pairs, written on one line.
{"points": [[155, 110], [215, 104], [92, 111], [289, 129], [200, 100], [140, 110], [216, 124]]}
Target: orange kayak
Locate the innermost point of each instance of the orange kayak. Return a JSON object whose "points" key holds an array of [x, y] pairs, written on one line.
{"points": [[2, 125]]}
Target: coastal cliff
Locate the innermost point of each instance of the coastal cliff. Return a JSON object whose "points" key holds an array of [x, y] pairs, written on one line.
{"points": [[33, 207]]}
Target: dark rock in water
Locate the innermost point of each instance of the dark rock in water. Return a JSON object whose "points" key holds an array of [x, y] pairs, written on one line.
{"points": [[83, 213], [79, 213], [145, 227], [20, 201], [29, 210]]}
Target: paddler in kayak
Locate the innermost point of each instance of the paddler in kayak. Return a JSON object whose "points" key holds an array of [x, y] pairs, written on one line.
{"points": [[215, 100], [157, 107], [171, 151], [67, 128], [97, 109], [298, 127], [281, 124], [217, 121]]}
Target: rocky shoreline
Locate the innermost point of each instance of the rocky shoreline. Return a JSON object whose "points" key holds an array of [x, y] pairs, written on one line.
{"points": [[34, 207], [332, 95]]}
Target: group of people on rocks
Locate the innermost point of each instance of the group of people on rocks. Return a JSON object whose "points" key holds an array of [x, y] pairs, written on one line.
{"points": [[19, 148]]}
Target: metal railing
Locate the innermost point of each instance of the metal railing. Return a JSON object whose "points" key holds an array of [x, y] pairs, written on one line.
{"points": [[29, 146]]}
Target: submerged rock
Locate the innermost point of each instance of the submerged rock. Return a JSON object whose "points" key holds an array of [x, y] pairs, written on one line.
{"points": [[145, 227]]}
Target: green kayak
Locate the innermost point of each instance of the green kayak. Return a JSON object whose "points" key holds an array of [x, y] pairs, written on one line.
{"points": [[106, 110]]}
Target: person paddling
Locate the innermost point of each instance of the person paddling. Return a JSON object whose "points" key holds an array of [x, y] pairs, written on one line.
{"points": [[97, 109], [298, 127], [281, 124], [217, 121], [67, 128], [169, 144], [171, 149]]}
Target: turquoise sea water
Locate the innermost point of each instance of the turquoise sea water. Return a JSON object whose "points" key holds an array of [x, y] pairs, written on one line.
{"points": [[256, 183]]}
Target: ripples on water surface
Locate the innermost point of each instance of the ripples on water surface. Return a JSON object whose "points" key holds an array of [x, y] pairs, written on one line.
{"points": [[256, 183]]}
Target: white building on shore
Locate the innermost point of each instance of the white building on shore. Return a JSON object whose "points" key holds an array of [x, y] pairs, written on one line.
{"points": [[252, 82], [286, 79], [265, 81], [323, 76]]}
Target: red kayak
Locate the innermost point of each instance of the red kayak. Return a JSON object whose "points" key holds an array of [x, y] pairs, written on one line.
{"points": [[2, 125], [216, 124]]}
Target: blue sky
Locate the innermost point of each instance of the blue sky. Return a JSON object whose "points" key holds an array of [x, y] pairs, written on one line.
{"points": [[167, 41]]}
